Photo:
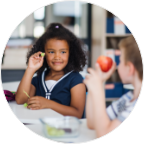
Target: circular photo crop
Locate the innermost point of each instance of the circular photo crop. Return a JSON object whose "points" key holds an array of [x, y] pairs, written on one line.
{"points": [[71, 71]]}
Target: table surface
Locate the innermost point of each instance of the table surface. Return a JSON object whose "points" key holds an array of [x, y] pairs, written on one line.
{"points": [[31, 117], [11, 86]]}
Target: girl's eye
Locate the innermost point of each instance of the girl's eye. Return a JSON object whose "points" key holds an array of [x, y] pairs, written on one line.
{"points": [[63, 52], [51, 52]]}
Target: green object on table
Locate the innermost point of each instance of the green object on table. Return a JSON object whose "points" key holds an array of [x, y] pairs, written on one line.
{"points": [[26, 94], [13, 92], [42, 54], [25, 104], [54, 132]]}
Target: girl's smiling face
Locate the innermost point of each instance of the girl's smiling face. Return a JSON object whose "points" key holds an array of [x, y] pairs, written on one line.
{"points": [[57, 54]]}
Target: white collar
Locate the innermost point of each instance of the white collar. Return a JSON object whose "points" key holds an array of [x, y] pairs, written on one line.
{"points": [[44, 85]]}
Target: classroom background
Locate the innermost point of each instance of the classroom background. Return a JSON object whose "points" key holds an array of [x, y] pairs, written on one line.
{"points": [[99, 30]]}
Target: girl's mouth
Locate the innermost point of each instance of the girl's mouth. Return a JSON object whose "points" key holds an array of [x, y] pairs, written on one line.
{"points": [[57, 63]]}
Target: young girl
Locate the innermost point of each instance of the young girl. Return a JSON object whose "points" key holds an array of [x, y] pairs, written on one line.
{"points": [[58, 84]]}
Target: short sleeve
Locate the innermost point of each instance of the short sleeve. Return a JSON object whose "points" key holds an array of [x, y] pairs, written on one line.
{"points": [[123, 115], [121, 118], [34, 81], [121, 108], [77, 79]]}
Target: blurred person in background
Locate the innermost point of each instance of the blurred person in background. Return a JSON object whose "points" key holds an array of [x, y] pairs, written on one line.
{"points": [[130, 70]]}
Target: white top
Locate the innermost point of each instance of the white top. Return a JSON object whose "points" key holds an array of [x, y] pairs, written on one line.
{"points": [[121, 108], [50, 83]]}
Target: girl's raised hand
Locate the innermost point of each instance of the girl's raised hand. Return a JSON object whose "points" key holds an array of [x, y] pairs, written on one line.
{"points": [[35, 61]]}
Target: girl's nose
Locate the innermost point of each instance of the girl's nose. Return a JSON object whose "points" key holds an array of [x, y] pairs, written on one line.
{"points": [[57, 56]]}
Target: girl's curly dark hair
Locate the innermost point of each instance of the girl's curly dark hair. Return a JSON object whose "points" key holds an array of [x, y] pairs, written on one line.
{"points": [[77, 57]]}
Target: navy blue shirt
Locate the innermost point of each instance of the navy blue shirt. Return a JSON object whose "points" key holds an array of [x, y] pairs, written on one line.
{"points": [[60, 93]]}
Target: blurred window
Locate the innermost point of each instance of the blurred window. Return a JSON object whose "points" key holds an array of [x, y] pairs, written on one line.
{"points": [[22, 30], [38, 29], [39, 14], [39, 23]]}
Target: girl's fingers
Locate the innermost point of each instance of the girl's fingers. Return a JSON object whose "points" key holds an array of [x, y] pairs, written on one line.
{"points": [[37, 55], [33, 98], [32, 101], [33, 106], [36, 108], [41, 59]]}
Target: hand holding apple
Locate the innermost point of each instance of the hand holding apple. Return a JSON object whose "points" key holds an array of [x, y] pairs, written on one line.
{"points": [[105, 63], [97, 77], [105, 67]]}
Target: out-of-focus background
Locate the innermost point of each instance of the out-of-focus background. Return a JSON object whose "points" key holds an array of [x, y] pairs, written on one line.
{"points": [[99, 29]]}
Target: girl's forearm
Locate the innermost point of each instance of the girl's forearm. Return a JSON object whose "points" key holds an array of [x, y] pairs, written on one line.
{"points": [[25, 85], [64, 110]]}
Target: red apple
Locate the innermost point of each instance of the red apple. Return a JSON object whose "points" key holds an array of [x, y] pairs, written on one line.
{"points": [[105, 63]]}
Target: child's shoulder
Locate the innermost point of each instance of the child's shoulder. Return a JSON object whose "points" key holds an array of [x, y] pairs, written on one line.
{"points": [[74, 78], [71, 79], [125, 100], [128, 96], [37, 77], [75, 75]]}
